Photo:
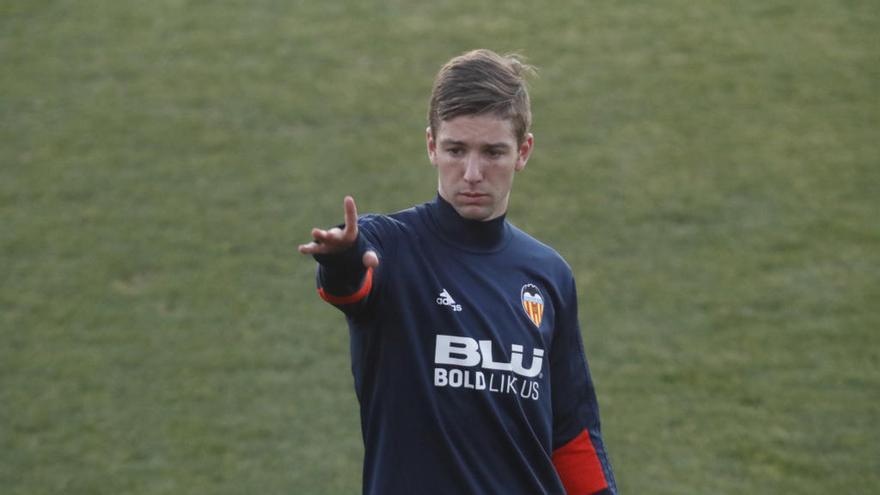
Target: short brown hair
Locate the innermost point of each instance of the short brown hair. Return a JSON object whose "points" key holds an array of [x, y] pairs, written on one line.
{"points": [[481, 82]]}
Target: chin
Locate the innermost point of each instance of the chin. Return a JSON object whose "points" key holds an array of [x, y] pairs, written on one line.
{"points": [[473, 212]]}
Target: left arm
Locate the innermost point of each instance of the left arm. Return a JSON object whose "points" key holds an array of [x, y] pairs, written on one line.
{"points": [[578, 449]]}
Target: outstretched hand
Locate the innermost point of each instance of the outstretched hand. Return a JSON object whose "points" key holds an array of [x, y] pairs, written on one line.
{"points": [[337, 240]]}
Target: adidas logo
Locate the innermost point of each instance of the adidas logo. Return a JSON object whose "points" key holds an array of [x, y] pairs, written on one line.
{"points": [[444, 299]]}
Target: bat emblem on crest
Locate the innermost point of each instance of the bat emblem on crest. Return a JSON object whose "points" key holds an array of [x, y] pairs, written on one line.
{"points": [[532, 303]]}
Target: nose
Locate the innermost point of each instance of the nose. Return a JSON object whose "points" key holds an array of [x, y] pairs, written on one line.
{"points": [[472, 169]]}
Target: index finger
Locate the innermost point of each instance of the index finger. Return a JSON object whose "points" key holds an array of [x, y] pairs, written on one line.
{"points": [[351, 216]]}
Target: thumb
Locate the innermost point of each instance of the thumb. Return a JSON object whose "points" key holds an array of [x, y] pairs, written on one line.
{"points": [[371, 259]]}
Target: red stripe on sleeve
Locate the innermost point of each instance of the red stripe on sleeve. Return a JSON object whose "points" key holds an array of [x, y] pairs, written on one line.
{"points": [[353, 298], [579, 467]]}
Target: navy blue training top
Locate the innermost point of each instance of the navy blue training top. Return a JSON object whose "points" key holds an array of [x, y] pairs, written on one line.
{"points": [[467, 359]]}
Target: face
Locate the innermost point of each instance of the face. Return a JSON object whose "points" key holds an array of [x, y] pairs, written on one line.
{"points": [[476, 157]]}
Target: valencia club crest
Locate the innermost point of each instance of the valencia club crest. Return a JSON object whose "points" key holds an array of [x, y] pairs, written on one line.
{"points": [[533, 303]]}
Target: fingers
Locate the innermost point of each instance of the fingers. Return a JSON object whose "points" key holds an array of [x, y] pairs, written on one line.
{"points": [[371, 259], [314, 247], [336, 239], [325, 241], [309, 248], [320, 235], [351, 215]]}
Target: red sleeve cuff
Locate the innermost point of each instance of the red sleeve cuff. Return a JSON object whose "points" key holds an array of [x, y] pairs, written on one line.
{"points": [[353, 298], [579, 467]]}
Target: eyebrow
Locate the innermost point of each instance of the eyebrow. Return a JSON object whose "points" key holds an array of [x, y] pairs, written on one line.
{"points": [[455, 142]]}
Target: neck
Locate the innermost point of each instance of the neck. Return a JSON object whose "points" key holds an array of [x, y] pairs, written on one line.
{"points": [[474, 235]]}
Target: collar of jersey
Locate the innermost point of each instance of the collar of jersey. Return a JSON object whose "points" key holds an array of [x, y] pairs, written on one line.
{"points": [[470, 235]]}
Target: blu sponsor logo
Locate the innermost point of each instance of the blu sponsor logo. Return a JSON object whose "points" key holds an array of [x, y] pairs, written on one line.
{"points": [[485, 372]]}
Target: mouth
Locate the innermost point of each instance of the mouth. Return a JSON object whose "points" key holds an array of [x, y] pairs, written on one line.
{"points": [[472, 198]]}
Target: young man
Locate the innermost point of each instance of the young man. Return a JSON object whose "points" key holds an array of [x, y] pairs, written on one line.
{"points": [[465, 344]]}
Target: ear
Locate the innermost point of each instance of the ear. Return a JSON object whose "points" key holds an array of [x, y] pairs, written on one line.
{"points": [[524, 152], [432, 146]]}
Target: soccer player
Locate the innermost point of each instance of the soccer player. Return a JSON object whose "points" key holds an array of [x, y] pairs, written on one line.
{"points": [[465, 345]]}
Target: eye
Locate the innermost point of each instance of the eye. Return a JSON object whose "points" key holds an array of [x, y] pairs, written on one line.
{"points": [[455, 151], [495, 153]]}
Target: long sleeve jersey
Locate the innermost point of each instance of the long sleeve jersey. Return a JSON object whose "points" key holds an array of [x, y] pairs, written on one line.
{"points": [[467, 359]]}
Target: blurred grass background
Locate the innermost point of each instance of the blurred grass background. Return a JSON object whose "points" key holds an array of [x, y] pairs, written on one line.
{"points": [[711, 170]]}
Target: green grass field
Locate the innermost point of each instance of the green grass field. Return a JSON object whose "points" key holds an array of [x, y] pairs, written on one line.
{"points": [[711, 170]]}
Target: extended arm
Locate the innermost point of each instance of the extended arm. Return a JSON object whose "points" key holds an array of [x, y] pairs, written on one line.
{"points": [[346, 261]]}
